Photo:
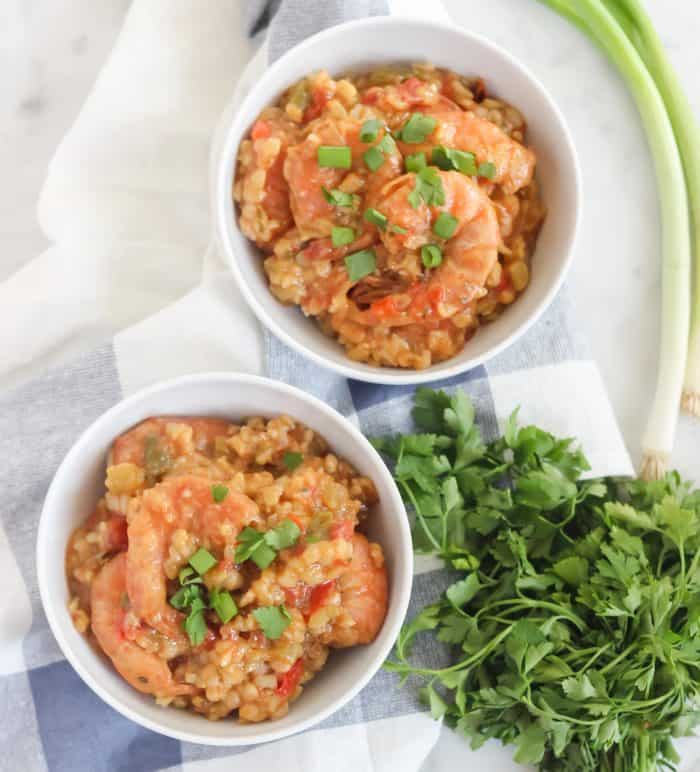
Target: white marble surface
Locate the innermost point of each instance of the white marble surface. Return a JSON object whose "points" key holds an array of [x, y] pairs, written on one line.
{"points": [[52, 50]]}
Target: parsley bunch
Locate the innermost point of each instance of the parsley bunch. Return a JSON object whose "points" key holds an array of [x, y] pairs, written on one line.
{"points": [[574, 625]]}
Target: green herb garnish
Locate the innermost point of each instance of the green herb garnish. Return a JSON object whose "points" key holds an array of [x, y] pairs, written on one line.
{"points": [[574, 618], [370, 129], [431, 255], [340, 236], [415, 162], [445, 225], [417, 128], [447, 158], [273, 620], [202, 561], [428, 188], [286, 534], [373, 158], [360, 264], [224, 605], [195, 625], [185, 596], [332, 157], [292, 459], [252, 546], [487, 170], [376, 218], [188, 575], [219, 493], [340, 198], [262, 546]]}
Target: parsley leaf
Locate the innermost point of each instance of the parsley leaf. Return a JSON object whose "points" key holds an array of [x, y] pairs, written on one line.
{"points": [[573, 620], [219, 493], [292, 460], [273, 620]]}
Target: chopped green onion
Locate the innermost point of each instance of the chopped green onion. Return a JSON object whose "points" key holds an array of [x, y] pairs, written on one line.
{"points": [[376, 218], [188, 575], [224, 605], [397, 228], [487, 170], [370, 129], [431, 255], [428, 188], [341, 236], [360, 264], [417, 128], [447, 158], [373, 158], [292, 460], [387, 144], [445, 225], [202, 561], [219, 493], [273, 620], [415, 162], [332, 157], [337, 197]]}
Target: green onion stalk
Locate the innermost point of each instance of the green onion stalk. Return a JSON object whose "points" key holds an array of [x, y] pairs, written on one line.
{"points": [[638, 27], [594, 17]]}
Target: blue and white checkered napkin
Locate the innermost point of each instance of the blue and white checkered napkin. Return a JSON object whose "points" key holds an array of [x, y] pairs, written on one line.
{"points": [[48, 717]]}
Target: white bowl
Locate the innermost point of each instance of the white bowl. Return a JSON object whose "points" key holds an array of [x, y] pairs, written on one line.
{"points": [[380, 40], [79, 482]]}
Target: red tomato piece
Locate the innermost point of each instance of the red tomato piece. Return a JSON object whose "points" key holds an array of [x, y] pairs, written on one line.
{"points": [[320, 594], [341, 530], [288, 682], [261, 130]]}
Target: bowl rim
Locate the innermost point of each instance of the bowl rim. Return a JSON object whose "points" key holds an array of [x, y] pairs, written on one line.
{"points": [[400, 525], [225, 224]]}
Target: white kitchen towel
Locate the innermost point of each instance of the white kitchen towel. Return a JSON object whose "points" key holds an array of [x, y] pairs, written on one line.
{"points": [[136, 202]]}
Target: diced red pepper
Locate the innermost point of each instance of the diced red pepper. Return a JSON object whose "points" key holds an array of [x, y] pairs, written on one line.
{"points": [[288, 682], [261, 130], [409, 90], [371, 96], [319, 99], [384, 307], [320, 594], [297, 596], [505, 282], [341, 530]]}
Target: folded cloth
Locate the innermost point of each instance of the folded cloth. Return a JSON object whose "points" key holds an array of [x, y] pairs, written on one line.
{"points": [[50, 719]]}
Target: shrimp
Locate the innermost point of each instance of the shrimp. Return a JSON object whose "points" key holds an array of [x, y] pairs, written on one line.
{"points": [[260, 188], [364, 592], [410, 93], [184, 503], [145, 671], [313, 215], [155, 442], [515, 163], [468, 256]]}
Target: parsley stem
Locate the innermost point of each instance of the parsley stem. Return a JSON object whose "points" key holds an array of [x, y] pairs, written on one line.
{"points": [[516, 604], [597, 654], [419, 515], [619, 657]]}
